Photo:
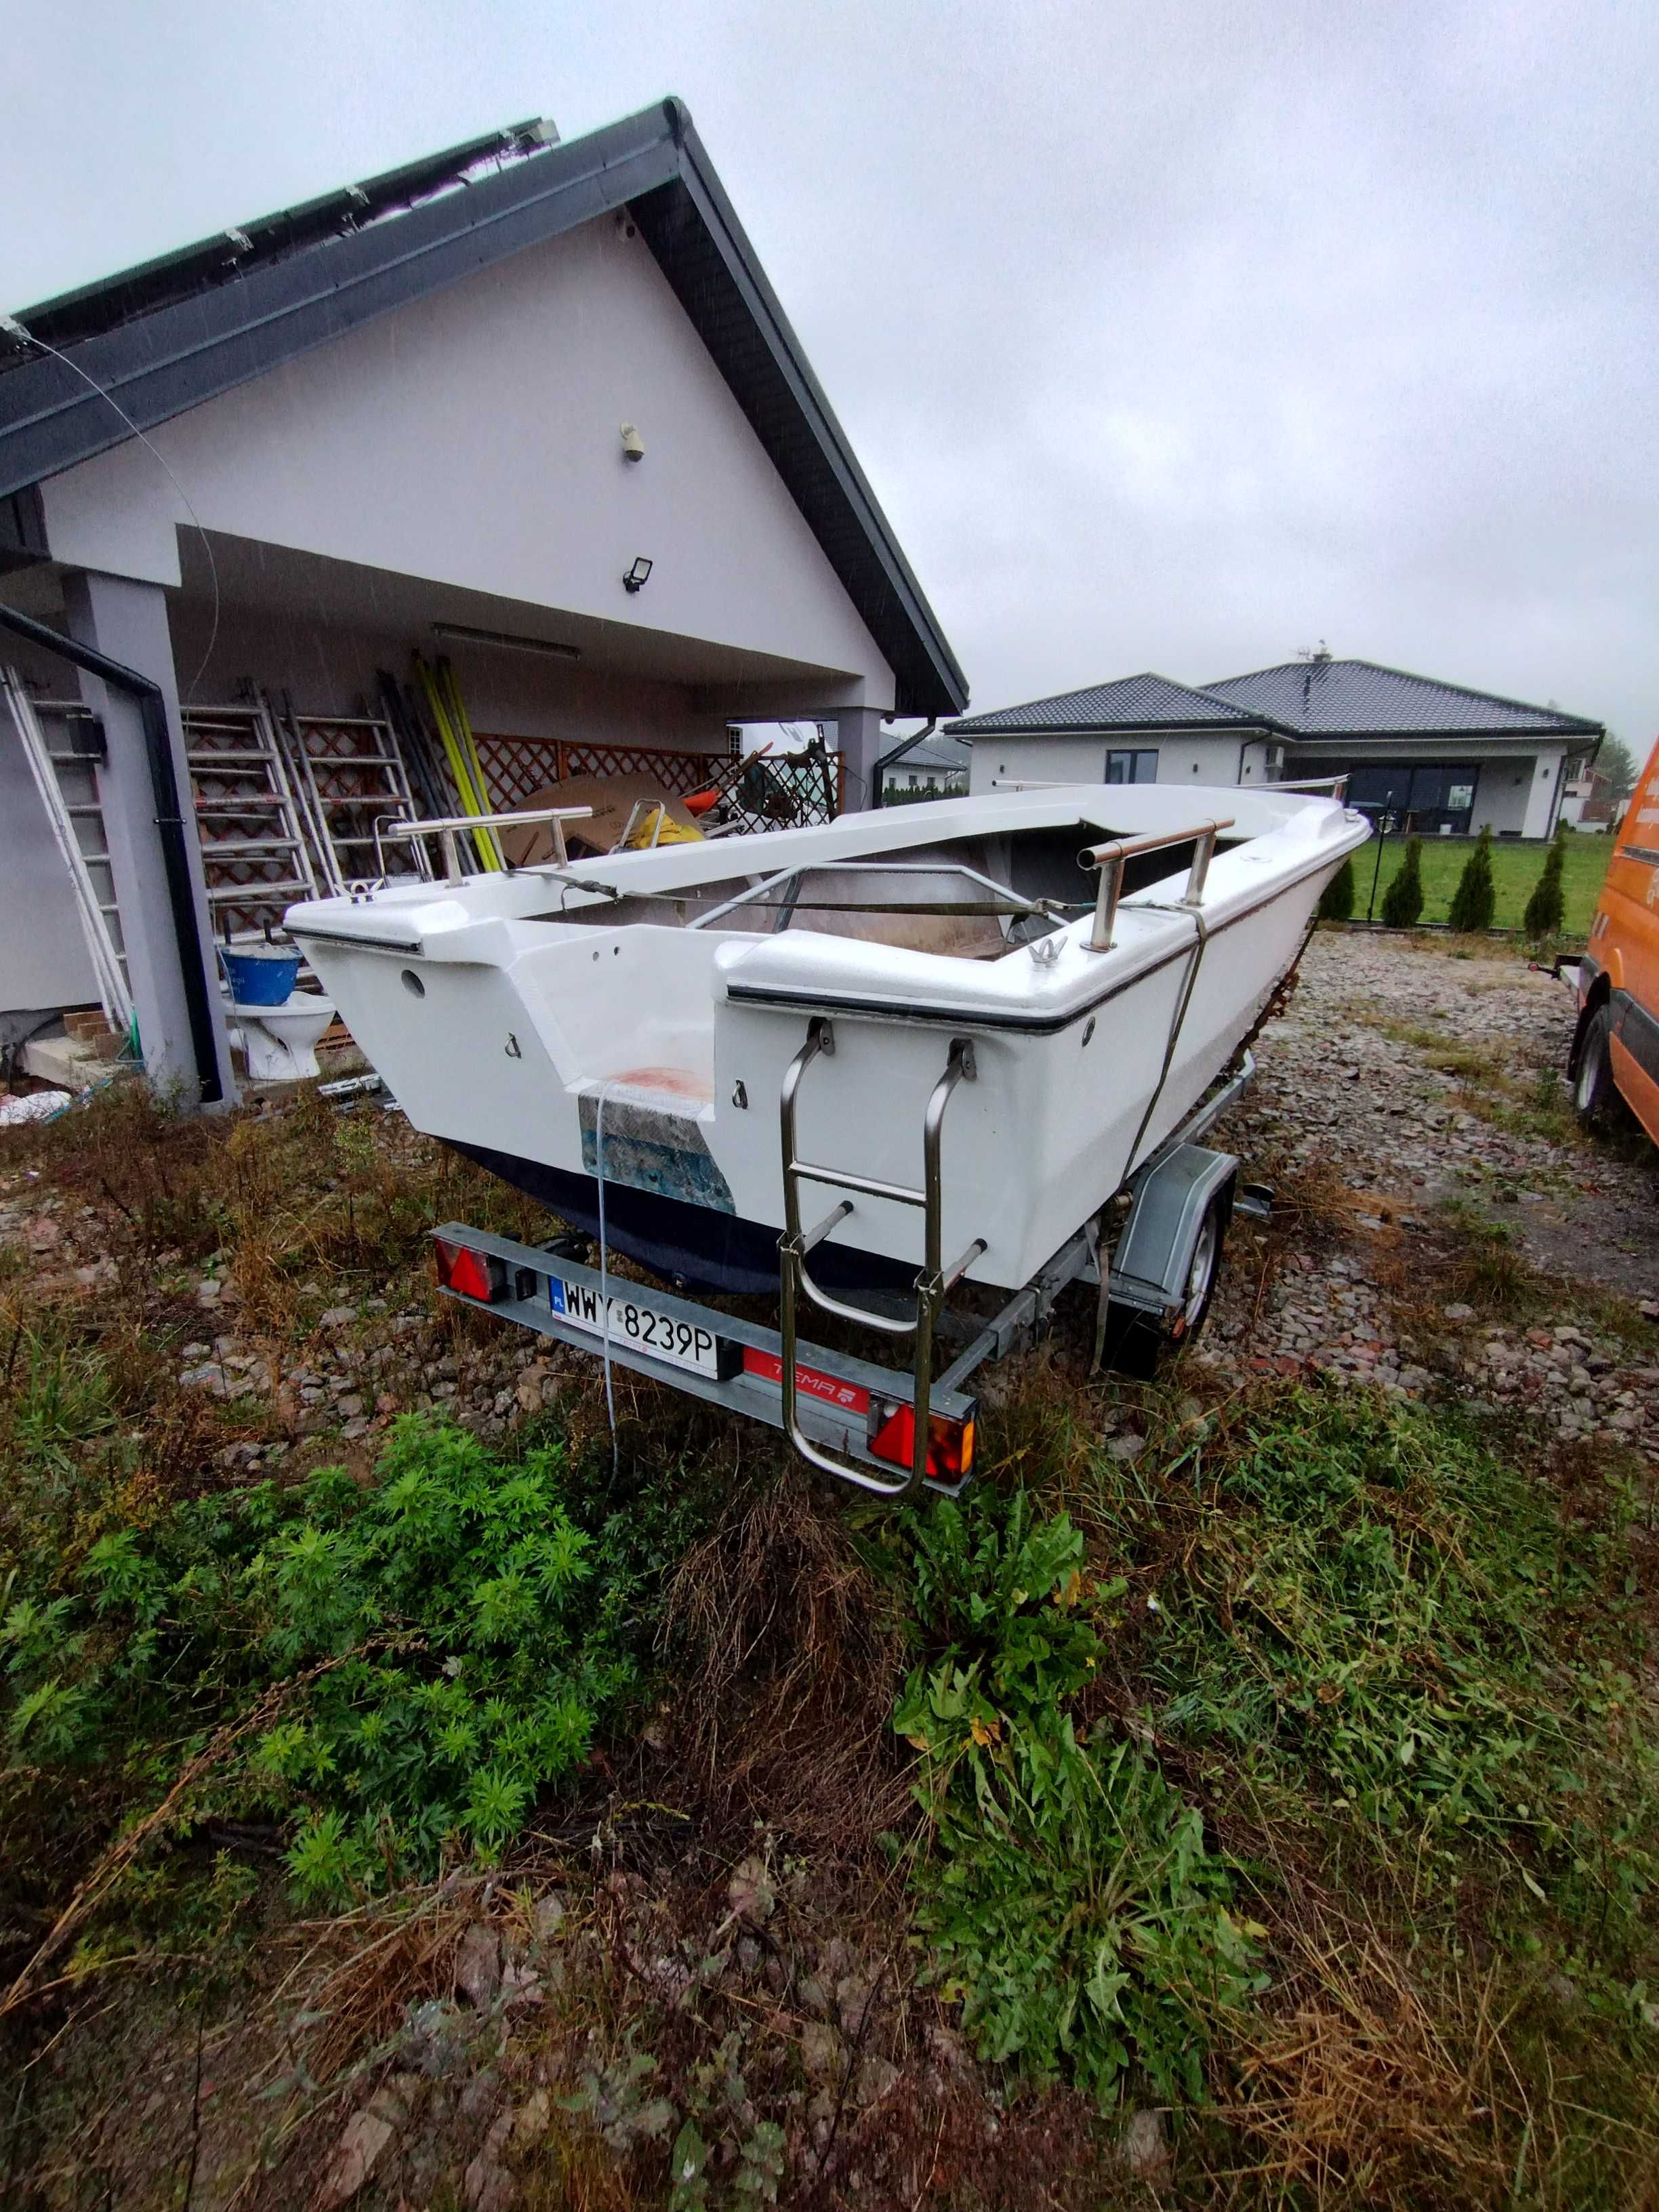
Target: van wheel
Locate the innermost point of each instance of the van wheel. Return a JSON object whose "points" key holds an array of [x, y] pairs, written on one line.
{"points": [[1595, 1094]]}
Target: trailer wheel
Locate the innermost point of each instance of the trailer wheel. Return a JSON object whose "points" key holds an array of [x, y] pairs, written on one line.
{"points": [[1206, 1266], [1200, 1277], [1135, 1341]]}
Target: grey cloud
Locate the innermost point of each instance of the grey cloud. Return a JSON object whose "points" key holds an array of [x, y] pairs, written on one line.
{"points": [[1174, 336]]}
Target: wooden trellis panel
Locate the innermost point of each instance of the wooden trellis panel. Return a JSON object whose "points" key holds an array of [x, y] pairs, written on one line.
{"points": [[789, 791]]}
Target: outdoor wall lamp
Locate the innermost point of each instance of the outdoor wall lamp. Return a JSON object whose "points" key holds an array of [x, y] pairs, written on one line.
{"points": [[636, 575]]}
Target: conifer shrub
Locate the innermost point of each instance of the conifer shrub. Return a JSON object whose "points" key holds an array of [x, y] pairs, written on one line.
{"points": [[1547, 910], [1475, 898], [1402, 902], [1337, 902]]}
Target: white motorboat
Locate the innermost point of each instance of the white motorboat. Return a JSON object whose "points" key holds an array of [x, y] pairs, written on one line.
{"points": [[943, 1033]]}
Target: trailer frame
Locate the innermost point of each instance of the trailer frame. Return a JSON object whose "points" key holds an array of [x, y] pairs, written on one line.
{"points": [[859, 1416]]}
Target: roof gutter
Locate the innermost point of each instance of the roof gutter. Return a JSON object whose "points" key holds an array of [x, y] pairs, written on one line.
{"points": [[169, 823], [1260, 726]]}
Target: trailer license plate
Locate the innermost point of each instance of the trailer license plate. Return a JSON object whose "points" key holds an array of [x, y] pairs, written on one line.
{"points": [[681, 1343]]}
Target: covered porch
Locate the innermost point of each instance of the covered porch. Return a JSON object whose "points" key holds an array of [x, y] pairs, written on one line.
{"points": [[311, 645]]}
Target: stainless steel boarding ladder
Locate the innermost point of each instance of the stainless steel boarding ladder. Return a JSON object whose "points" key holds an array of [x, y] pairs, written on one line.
{"points": [[932, 1283]]}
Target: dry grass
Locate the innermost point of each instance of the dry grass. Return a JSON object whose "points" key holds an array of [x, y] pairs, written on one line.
{"points": [[1394, 2063], [1355, 2090], [1377, 2080], [790, 1654], [353, 1977]]}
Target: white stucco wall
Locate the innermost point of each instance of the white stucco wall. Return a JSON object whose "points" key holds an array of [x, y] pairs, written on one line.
{"points": [[1519, 795], [1513, 792], [329, 669], [1042, 760], [1197, 757], [474, 440], [1549, 780], [44, 960], [1502, 792]]}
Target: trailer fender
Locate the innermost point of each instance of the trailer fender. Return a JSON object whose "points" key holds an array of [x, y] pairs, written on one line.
{"points": [[1172, 1199]]}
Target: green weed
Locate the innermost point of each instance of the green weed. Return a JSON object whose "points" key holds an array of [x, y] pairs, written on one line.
{"points": [[433, 1650], [1066, 1890], [63, 1403], [1490, 1271]]}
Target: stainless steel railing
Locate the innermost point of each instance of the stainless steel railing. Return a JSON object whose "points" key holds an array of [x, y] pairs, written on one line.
{"points": [[446, 827], [1113, 857]]}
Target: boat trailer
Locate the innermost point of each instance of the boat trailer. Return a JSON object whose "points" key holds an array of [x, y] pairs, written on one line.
{"points": [[885, 1431]]}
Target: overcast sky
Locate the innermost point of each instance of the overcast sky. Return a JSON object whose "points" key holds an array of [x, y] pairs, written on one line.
{"points": [[1171, 336]]}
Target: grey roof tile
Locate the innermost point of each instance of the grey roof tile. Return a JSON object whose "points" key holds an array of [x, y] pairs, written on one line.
{"points": [[1133, 702], [1360, 698]]}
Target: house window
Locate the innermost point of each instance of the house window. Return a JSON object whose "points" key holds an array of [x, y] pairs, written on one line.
{"points": [[1132, 767], [1433, 798]]}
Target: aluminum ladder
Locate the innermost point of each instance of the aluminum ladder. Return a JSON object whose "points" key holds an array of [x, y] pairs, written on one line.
{"points": [[354, 785], [254, 854]]}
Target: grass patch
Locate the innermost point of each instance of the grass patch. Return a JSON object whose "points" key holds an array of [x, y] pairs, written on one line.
{"points": [[1405, 1667], [1515, 869], [1296, 1776], [276, 1201], [1365, 1619], [1489, 1270]]}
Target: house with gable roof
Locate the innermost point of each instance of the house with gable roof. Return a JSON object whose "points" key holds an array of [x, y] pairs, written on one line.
{"points": [[532, 405], [1435, 757]]}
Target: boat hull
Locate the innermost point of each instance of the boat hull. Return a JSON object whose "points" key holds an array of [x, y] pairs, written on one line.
{"points": [[549, 1043]]}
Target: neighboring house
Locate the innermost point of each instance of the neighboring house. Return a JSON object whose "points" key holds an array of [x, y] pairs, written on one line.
{"points": [[1587, 799], [450, 408], [936, 765], [1436, 757]]}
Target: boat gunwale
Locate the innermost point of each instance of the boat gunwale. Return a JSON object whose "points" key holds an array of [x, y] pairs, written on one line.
{"points": [[670, 871], [1028, 1024]]}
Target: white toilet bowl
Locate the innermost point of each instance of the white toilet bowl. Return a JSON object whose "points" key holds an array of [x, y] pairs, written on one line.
{"points": [[279, 1042]]}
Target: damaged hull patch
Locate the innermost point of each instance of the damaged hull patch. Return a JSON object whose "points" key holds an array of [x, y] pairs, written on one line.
{"points": [[651, 1143]]}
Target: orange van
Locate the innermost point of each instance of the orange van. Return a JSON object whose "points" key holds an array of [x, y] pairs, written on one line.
{"points": [[1616, 1047]]}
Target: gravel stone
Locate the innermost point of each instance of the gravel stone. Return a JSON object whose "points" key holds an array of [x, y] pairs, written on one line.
{"points": [[1400, 1148]]}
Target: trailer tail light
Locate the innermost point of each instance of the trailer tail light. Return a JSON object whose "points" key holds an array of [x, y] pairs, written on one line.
{"points": [[469, 1275], [949, 1443]]}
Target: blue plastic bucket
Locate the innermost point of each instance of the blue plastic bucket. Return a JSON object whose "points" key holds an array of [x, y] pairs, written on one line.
{"points": [[261, 976]]}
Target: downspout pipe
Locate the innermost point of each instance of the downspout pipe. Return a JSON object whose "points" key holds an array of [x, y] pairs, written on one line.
{"points": [[885, 761], [169, 822]]}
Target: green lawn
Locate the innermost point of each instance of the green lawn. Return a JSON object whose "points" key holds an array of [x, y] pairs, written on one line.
{"points": [[1516, 868]]}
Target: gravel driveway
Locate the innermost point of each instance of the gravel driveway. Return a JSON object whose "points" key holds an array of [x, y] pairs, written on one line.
{"points": [[1411, 1102]]}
